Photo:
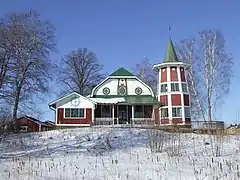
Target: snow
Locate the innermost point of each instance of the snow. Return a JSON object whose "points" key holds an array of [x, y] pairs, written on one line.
{"points": [[115, 153], [108, 100]]}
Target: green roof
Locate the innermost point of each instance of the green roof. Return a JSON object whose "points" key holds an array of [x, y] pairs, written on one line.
{"points": [[121, 72], [171, 55], [145, 100], [134, 99]]}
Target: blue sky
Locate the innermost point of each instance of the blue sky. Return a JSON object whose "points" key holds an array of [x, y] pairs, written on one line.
{"points": [[122, 32]]}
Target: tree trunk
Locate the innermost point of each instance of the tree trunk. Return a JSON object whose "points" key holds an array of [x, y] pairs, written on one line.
{"points": [[15, 109], [209, 109]]}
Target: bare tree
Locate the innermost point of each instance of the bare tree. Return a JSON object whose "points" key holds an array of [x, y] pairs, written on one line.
{"points": [[144, 71], [6, 52], [187, 51], [80, 71], [29, 40], [209, 70]]}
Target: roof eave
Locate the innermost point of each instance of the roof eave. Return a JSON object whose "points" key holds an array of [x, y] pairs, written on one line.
{"points": [[165, 64], [127, 77]]}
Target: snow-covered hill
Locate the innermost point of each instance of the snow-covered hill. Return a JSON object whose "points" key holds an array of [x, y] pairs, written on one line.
{"points": [[118, 153]]}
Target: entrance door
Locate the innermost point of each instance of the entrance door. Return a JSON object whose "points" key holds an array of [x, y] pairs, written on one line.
{"points": [[122, 114]]}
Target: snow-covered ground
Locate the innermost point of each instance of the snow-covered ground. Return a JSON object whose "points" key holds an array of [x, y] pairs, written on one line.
{"points": [[117, 153]]}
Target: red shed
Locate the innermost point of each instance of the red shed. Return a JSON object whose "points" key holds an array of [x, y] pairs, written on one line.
{"points": [[30, 124]]}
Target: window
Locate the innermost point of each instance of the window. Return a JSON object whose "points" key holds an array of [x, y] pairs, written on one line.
{"points": [[174, 87], [106, 110], [164, 112], [138, 111], [67, 112], [184, 87], [23, 128], [177, 112], [164, 88], [74, 113], [187, 112]]}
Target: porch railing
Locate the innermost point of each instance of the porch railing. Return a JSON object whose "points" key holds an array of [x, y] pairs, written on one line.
{"points": [[106, 121], [109, 121], [147, 121]]}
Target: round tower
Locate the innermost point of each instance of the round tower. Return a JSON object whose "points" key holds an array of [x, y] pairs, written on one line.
{"points": [[173, 90]]}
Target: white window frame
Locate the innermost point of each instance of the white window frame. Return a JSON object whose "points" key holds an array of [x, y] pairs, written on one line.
{"points": [[84, 113], [173, 87], [177, 115], [187, 115], [183, 89], [25, 128], [163, 88], [166, 113]]}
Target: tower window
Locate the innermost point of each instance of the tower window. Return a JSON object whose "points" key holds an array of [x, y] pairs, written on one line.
{"points": [[187, 112], [174, 87], [184, 87], [164, 88], [177, 112], [164, 112]]}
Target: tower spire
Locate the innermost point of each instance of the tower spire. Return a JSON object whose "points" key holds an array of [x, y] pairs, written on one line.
{"points": [[169, 31], [171, 55]]}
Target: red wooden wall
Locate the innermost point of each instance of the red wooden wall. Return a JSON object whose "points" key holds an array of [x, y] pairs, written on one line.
{"points": [[62, 120]]}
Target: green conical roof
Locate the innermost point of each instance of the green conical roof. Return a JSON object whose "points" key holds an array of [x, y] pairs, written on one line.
{"points": [[170, 55], [121, 72]]}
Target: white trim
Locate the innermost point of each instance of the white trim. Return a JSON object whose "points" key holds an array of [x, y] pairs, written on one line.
{"points": [[113, 113], [108, 100], [56, 116], [181, 93], [80, 125], [50, 104], [157, 66], [93, 113], [91, 95], [85, 113], [133, 113], [126, 77], [127, 113], [169, 95], [159, 82]]}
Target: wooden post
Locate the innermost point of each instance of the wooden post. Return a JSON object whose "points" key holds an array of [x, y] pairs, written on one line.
{"points": [[113, 113], [133, 114]]}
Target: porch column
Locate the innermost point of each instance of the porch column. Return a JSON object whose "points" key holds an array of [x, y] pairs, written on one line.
{"points": [[113, 113], [143, 111], [93, 114], [133, 114]]}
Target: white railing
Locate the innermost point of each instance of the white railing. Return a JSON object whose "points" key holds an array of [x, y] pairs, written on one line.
{"points": [[104, 119], [142, 120], [116, 121]]}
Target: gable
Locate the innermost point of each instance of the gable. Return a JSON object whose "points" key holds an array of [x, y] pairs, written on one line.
{"points": [[73, 100], [132, 85]]}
